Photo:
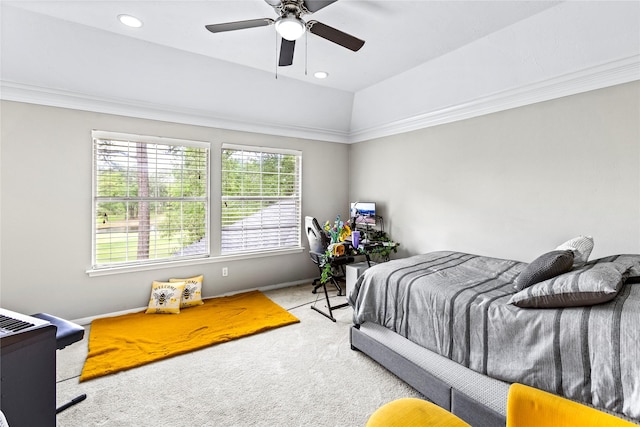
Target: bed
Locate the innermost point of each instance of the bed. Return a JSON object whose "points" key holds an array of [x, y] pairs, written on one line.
{"points": [[447, 323]]}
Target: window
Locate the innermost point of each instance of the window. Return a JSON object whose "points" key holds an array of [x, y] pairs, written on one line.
{"points": [[150, 199], [260, 199]]}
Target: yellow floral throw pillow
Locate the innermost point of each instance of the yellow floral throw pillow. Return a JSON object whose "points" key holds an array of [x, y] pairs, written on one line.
{"points": [[192, 294], [165, 298]]}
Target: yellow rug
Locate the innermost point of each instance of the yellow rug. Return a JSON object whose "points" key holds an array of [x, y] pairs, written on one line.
{"points": [[124, 342]]}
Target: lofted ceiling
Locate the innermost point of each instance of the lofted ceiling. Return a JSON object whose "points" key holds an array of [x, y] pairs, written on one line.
{"points": [[173, 68]]}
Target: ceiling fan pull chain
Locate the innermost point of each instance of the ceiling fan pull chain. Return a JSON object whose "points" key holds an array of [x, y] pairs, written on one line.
{"points": [[306, 50], [276, 38]]}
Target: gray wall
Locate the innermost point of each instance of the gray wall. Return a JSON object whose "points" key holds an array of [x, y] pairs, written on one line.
{"points": [[512, 184], [45, 219]]}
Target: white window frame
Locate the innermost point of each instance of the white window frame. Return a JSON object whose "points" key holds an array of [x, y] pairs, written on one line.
{"points": [[98, 269], [297, 199]]}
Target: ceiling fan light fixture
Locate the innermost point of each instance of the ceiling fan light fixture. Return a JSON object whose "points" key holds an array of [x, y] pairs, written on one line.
{"points": [[290, 27]]}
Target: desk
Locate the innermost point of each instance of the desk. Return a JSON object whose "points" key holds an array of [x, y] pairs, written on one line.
{"points": [[380, 250], [326, 265]]}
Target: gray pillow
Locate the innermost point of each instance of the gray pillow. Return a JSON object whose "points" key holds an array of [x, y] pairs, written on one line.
{"points": [[545, 267], [589, 285], [631, 260]]}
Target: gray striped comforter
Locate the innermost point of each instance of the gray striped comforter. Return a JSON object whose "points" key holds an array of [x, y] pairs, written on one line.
{"points": [[455, 304]]}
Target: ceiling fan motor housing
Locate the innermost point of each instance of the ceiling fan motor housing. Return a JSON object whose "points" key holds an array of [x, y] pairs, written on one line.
{"points": [[294, 8]]}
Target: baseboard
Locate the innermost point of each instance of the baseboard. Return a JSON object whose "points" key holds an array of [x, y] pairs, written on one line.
{"points": [[87, 320]]}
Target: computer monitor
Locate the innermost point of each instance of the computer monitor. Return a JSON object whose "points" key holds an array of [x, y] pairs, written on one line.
{"points": [[363, 213]]}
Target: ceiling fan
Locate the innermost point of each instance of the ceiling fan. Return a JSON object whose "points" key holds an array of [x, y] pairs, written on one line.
{"points": [[290, 26]]}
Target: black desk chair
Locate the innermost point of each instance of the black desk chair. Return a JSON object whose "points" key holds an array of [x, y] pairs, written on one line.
{"points": [[318, 242], [67, 333]]}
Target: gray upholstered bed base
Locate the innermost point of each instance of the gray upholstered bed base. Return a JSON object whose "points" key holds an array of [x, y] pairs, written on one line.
{"points": [[476, 398]]}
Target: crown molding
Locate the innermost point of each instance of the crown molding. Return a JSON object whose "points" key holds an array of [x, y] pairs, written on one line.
{"points": [[598, 77], [601, 76], [12, 91]]}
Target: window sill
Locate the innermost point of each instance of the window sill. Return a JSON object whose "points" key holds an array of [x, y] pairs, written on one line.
{"points": [[183, 263]]}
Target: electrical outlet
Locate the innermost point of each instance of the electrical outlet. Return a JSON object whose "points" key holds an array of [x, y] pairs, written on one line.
{"points": [[225, 271]]}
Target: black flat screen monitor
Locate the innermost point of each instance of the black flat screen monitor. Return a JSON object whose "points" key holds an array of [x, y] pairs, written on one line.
{"points": [[363, 213]]}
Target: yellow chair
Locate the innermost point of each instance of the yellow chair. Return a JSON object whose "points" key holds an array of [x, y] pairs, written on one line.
{"points": [[526, 407], [530, 407], [412, 412]]}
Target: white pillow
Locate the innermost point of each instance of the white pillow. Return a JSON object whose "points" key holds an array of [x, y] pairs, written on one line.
{"points": [[192, 293], [165, 298], [581, 247]]}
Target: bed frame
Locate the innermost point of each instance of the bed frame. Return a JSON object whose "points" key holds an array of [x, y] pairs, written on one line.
{"points": [[473, 397]]}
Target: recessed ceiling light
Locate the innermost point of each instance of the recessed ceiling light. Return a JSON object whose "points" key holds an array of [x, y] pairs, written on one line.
{"points": [[130, 21], [320, 74]]}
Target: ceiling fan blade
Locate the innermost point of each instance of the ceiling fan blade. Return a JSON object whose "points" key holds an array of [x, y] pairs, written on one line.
{"points": [[315, 5], [286, 52], [334, 35], [239, 25]]}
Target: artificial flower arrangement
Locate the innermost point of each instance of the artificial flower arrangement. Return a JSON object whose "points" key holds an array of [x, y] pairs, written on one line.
{"points": [[338, 233]]}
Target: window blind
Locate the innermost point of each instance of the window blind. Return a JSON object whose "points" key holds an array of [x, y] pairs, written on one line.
{"points": [[150, 199], [261, 199]]}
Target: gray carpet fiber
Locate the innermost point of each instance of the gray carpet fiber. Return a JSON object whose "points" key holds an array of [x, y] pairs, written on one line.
{"points": [[299, 375]]}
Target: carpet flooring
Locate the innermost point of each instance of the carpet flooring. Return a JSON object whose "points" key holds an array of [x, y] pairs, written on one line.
{"points": [[304, 374]]}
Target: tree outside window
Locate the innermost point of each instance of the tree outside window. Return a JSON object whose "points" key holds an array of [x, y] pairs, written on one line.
{"points": [[150, 199]]}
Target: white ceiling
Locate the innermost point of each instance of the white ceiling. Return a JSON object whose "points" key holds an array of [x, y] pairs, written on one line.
{"points": [[398, 35], [78, 49]]}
